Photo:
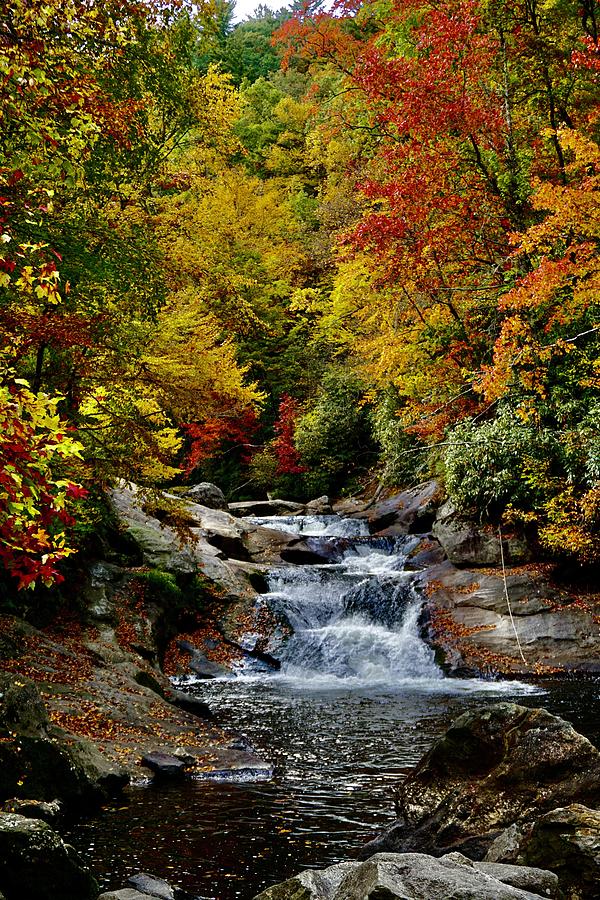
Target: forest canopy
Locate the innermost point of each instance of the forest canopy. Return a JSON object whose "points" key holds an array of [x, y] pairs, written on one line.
{"points": [[296, 253]]}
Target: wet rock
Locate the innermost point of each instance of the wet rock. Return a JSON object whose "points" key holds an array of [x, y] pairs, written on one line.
{"points": [[310, 551], [49, 812], [189, 703], [165, 765], [567, 840], [467, 544], [410, 876], [493, 767], [410, 512], [426, 554], [37, 865], [383, 602], [264, 545], [206, 494], [199, 663]]}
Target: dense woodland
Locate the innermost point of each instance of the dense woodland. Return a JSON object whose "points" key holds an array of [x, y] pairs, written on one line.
{"points": [[308, 252]]}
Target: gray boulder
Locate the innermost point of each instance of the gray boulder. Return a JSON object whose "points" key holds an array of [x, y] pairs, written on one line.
{"points": [[409, 512], [468, 544], [157, 887], [413, 876], [165, 765], [206, 494], [36, 864], [321, 506]]}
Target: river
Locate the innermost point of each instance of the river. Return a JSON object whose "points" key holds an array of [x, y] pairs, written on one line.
{"points": [[358, 700]]}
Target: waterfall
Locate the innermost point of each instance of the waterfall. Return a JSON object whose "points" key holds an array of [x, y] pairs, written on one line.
{"points": [[353, 621]]}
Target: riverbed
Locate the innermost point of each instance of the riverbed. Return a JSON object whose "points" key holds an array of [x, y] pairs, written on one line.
{"points": [[359, 700]]}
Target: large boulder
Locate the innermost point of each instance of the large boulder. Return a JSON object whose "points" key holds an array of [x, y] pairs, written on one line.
{"points": [[206, 494], [565, 840], [36, 864], [416, 876], [493, 767], [409, 512], [468, 544]]}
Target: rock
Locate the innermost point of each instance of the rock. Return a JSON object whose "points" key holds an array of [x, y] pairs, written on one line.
{"points": [[21, 706], [265, 508], [190, 704], [467, 544], [426, 554], [319, 507], [200, 665], [493, 767], [410, 512], [310, 885], [165, 765], [264, 545], [150, 886], [41, 761], [410, 876], [51, 812], [206, 494], [553, 630], [505, 848], [161, 544], [567, 840], [37, 865], [310, 551], [527, 878]]}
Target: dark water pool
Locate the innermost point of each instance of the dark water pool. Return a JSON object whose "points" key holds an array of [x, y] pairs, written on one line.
{"points": [[336, 753]]}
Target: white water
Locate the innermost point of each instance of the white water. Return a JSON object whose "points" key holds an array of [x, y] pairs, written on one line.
{"points": [[355, 623]]}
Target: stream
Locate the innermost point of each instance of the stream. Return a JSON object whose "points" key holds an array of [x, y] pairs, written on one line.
{"points": [[358, 700]]}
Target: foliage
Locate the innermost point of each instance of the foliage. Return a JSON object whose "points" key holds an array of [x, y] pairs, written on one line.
{"points": [[504, 460], [286, 454], [35, 495], [333, 437]]}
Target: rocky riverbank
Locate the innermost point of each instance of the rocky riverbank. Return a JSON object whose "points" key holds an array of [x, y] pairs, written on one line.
{"points": [[504, 805]]}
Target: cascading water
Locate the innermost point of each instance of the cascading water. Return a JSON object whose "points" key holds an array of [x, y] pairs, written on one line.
{"points": [[354, 620]]}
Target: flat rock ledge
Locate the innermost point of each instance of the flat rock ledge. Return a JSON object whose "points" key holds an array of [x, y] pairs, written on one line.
{"points": [[214, 763], [416, 876]]}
